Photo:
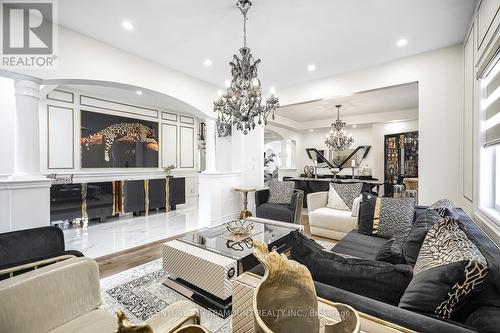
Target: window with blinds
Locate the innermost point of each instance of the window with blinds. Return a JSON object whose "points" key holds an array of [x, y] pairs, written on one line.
{"points": [[491, 103]]}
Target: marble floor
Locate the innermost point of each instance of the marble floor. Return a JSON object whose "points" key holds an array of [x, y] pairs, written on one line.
{"points": [[127, 232]]}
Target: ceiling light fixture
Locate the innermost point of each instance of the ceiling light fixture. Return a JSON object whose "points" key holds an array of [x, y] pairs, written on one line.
{"points": [[241, 103], [337, 140], [138, 92], [354, 126], [402, 42], [311, 67], [127, 25], [207, 62], [311, 130]]}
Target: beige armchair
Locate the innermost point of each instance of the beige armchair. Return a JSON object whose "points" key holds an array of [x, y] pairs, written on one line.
{"points": [[65, 297], [328, 222]]}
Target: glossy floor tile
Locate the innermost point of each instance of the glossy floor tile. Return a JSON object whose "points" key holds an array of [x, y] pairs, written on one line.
{"points": [[127, 232]]}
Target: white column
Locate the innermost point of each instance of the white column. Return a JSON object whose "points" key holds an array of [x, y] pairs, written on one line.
{"points": [[25, 195], [27, 137], [210, 145]]}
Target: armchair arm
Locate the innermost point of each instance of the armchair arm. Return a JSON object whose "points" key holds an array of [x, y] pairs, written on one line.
{"points": [[50, 296], [317, 200], [261, 196], [296, 204]]}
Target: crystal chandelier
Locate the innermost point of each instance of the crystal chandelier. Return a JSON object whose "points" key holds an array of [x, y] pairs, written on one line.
{"points": [[240, 104], [337, 140]]}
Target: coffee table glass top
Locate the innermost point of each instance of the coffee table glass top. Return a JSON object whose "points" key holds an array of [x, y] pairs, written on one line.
{"points": [[218, 239]]}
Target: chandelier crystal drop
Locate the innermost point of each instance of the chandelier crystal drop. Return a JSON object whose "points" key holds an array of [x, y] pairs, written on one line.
{"points": [[337, 139], [241, 104]]}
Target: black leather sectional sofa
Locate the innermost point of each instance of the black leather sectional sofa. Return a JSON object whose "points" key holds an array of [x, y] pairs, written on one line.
{"points": [[481, 313]]}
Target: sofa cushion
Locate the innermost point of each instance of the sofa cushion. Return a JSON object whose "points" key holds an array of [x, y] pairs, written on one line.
{"points": [[280, 192], [276, 212], [485, 319], [347, 191], [416, 236], [332, 219], [91, 322], [385, 217], [448, 268], [489, 293], [391, 251], [375, 279], [444, 207], [359, 245]]}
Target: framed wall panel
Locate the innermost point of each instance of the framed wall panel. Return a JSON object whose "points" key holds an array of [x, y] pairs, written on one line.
{"points": [[116, 106], [186, 144], [60, 137], [468, 120], [187, 120], [61, 96], [169, 116], [169, 144]]}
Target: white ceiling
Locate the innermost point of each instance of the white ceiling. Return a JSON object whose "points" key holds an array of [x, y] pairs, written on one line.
{"points": [[335, 35], [396, 98]]}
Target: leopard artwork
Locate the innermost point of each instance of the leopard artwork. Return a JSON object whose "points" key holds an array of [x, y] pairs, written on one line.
{"points": [[123, 132]]}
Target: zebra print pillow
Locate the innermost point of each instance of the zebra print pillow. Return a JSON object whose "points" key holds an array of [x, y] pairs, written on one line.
{"points": [[444, 207], [449, 267]]}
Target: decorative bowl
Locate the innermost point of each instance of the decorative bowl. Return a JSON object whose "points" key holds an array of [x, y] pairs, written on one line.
{"points": [[239, 227]]}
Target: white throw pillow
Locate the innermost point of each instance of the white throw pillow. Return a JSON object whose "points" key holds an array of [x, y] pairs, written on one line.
{"points": [[335, 201], [355, 206]]}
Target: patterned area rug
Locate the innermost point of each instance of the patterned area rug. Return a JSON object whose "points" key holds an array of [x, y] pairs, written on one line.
{"points": [[140, 293]]}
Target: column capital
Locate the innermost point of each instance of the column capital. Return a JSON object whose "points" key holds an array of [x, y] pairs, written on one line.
{"points": [[29, 88]]}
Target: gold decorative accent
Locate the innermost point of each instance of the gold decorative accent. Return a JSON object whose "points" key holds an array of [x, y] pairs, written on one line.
{"points": [[167, 194], [125, 326], [285, 300], [114, 198], [146, 197], [376, 216], [85, 216], [122, 196], [191, 329]]}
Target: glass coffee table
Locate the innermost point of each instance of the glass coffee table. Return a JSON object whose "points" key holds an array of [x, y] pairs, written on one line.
{"points": [[203, 264]]}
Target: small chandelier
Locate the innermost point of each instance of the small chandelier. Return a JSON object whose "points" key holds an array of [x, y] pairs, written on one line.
{"points": [[337, 140], [240, 104]]}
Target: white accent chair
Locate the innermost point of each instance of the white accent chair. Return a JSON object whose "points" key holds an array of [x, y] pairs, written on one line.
{"points": [[328, 222]]}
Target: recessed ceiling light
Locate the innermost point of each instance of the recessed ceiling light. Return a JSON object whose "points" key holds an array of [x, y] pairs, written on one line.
{"points": [[354, 126], [127, 25], [402, 42], [311, 67], [207, 62], [311, 130], [138, 92]]}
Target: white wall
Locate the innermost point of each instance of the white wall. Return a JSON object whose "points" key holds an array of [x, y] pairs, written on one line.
{"points": [[7, 118], [83, 58], [440, 76]]}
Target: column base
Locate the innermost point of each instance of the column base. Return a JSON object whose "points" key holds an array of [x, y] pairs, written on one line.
{"points": [[24, 202]]}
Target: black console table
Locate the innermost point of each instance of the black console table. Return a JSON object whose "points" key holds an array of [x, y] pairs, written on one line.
{"points": [[91, 201], [311, 185]]}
